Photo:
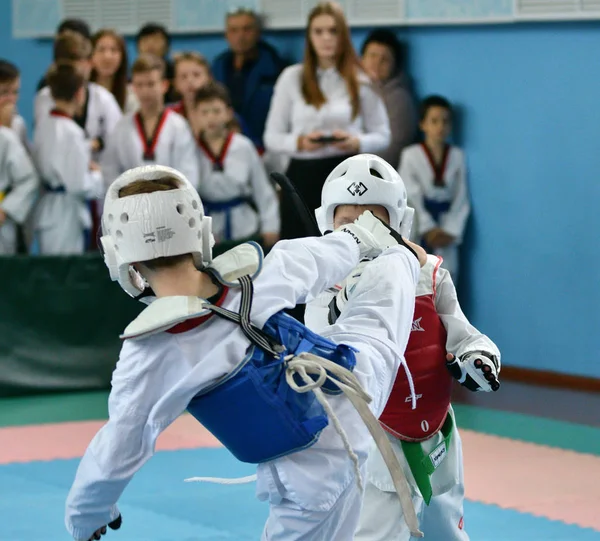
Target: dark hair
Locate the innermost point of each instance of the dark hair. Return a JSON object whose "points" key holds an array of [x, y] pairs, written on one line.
{"points": [[119, 82], [389, 39], [78, 26], [148, 62], [153, 28], [433, 101], [71, 46], [212, 91], [8, 71], [64, 82]]}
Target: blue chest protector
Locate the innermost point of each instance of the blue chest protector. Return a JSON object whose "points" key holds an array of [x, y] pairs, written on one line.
{"points": [[253, 411]]}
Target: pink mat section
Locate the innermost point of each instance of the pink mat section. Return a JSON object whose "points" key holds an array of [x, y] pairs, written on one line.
{"points": [[69, 440], [543, 481]]}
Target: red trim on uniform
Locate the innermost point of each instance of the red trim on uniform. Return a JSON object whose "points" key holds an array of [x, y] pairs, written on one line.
{"points": [[438, 169], [190, 324], [434, 277], [221, 157], [149, 144], [461, 523], [179, 108], [260, 151], [57, 112]]}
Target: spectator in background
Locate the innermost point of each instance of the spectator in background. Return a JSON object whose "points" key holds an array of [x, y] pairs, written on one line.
{"points": [[18, 179], [323, 111], [109, 68], [435, 176], [154, 134], [10, 84], [99, 112], [77, 26], [235, 190], [192, 72], [384, 59], [249, 70], [62, 218], [154, 39]]}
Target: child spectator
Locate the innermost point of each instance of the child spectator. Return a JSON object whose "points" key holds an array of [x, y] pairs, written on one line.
{"points": [[99, 112], [10, 84], [235, 189], [77, 26], [154, 39], [154, 134], [70, 178], [18, 179], [435, 177], [192, 72], [109, 68]]}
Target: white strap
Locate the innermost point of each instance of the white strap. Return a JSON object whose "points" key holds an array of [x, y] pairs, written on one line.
{"points": [[307, 364]]}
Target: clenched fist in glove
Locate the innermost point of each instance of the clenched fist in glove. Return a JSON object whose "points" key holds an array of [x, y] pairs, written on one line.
{"points": [[374, 236], [114, 525], [477, 371]]}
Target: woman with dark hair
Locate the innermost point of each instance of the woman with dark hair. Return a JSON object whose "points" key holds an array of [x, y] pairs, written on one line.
{"points": [[109, 68], [384, 59], [323, 111]]}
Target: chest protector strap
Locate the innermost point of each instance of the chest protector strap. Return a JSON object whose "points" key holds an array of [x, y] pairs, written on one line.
{"points": [[274, 404]]}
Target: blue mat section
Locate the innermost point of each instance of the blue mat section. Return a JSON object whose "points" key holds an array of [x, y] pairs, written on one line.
{"points": [[159, 506]]}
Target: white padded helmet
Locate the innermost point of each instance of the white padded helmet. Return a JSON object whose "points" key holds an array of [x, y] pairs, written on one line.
{"points": [[365, 179], [148, 226]]}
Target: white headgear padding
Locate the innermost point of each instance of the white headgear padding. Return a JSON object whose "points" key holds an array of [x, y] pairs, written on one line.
{"points": [[365, 179], [143, 227]]}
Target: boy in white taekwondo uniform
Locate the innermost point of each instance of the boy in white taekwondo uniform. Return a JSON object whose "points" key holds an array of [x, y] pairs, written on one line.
{"points": [[442, 342], [99, 113], [154, 134], [435, 177], [235, 190], [69, 176], [218, 343], [19, 182]]}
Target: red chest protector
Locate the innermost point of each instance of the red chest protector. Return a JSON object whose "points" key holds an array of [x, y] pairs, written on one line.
{"points": [[426, 359]]}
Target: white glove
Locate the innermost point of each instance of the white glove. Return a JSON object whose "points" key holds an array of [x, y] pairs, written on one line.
{"points": [[347, 286], [476, 370], [371, 235]]}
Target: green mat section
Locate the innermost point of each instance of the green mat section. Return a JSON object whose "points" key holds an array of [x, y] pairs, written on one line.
{"points": [[53, 408], [517, 426], [88, 406]]}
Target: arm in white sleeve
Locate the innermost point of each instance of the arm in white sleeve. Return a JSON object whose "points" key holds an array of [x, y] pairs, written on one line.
{"points": [[112, 116], [279, 137], [184, 155], [77, 177], [462, 336], [263, 194], [377, 320], [415, 194], [23, 180], [110, 161], [42, 105], [126, 442], [376, 122], [455, 219], [296, 271]]}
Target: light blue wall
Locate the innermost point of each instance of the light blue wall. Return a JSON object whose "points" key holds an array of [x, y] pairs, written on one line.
{"points": [[530, 124]]}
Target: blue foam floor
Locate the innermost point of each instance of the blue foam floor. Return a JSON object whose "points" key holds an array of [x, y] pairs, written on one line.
{"points": [[159, 506]]}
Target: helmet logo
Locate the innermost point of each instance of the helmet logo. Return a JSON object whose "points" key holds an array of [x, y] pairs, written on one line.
{"points": [[357, 188]]}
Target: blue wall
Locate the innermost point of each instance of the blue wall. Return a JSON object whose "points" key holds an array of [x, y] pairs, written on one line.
{"points": [[530, 125]]}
